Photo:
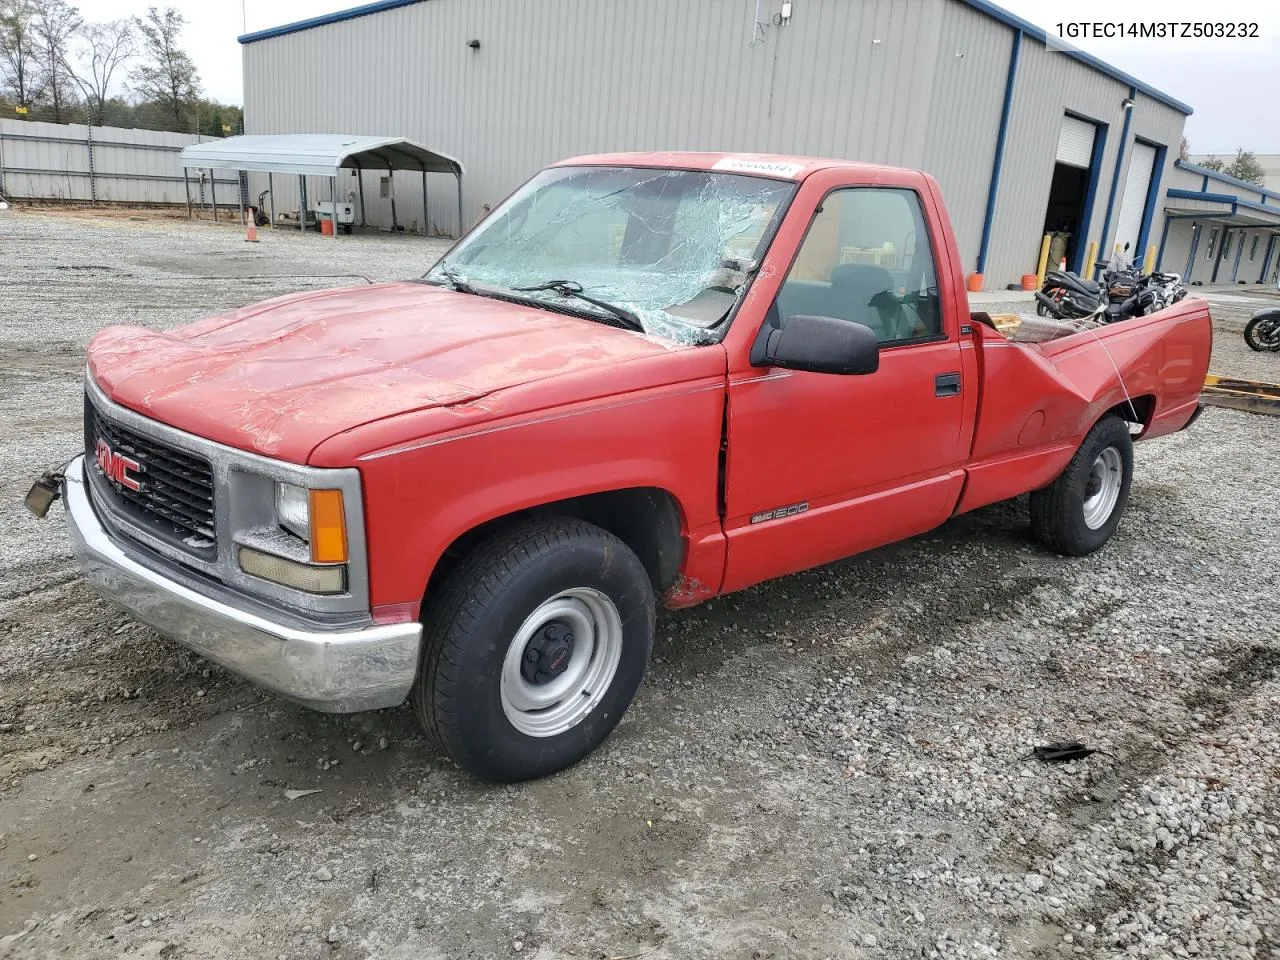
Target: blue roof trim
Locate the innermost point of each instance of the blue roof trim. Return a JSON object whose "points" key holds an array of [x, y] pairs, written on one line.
{"points": [[1236, 203], [1226, 178], [1257, 206], [335, 17], [1031, 30], [1179, 194]]}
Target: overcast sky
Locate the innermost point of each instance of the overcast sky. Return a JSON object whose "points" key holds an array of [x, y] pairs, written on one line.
{"points": [[1234, 86]]}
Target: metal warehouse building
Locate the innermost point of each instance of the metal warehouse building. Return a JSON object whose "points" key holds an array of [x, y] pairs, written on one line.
{"points": [[1023, 139], [1219, 229]]}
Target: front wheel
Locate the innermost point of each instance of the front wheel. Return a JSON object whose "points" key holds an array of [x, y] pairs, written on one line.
{"points": [[1263, 331], [1083, 507], [534, 648]]}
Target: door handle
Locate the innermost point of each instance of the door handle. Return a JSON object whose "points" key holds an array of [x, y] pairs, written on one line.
{"points": [[946, 385]]}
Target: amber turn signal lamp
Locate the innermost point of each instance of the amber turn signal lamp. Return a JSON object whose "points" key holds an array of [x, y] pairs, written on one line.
{"points": [[328, 527]]}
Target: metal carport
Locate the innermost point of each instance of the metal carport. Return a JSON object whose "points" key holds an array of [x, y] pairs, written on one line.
{"points": [[320, 155]]}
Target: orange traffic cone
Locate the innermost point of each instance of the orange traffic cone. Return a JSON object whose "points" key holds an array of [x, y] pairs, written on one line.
{"points": [[251, 232]]}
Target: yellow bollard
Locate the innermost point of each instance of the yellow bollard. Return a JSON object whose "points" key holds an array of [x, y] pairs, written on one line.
{"points": [[1149, 263], [1044, 259], [1090, 258]]}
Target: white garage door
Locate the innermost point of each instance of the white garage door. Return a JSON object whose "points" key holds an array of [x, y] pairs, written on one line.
{"points": [[1075, 142], [1142, 163]]}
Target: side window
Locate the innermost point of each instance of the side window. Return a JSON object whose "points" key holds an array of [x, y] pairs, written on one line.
{"points": [[867, 258], [1213, 243]]}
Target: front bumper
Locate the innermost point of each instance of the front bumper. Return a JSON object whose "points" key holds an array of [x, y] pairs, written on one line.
{"points": [[336, 671]]}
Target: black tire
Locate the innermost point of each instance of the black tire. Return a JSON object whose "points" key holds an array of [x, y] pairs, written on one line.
{"points": [[1262, 333], [471, 621], [1058, 513]]}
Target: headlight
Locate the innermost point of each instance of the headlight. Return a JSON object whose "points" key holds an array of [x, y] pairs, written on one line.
{"points": [[293, 511], [316, 517]]}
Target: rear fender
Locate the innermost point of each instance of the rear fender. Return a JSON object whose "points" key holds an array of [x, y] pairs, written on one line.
{"points": [[1039, 400], [1163, 357]]}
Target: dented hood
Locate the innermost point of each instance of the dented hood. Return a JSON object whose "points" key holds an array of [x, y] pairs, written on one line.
{"points": [[280, 377]]}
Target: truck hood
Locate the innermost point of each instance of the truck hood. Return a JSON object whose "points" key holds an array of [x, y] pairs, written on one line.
{"points": [[280, 377]]}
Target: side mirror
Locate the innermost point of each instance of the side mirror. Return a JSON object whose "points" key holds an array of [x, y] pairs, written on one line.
{"points": [[818, 345]]}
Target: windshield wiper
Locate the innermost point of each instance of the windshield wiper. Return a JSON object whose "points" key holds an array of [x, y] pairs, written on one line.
{"points": [[455, 279], [573, 289]]}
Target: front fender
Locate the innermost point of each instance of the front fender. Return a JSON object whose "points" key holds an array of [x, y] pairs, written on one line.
{"points": [[420, 496]]}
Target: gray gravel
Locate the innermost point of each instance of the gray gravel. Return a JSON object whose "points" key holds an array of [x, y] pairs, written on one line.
{"points": [[831, 765]]}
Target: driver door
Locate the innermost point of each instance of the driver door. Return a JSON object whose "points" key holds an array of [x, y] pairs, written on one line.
{"points": [[820, 466]]}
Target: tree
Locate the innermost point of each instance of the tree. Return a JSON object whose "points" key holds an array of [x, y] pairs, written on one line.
{"points": [[1212, 162], [19, 54], [104, 48], [169, 75], [220, 119], [1184, 149], [54, 24], [1245, 167]]}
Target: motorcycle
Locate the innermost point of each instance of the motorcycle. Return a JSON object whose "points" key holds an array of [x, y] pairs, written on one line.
{"points": [[1124, 293], [1262, 332], [1169, 288], [1067, 296]]}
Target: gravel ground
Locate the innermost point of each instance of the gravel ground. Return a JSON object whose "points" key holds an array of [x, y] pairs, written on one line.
{"points": [[830, 765]]}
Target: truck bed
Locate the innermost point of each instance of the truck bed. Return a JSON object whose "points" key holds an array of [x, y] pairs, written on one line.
{"points": [[1037, 400]]}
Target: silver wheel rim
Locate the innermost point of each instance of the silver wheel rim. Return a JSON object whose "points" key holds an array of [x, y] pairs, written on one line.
{"points": [[552, 707], [1103, 488]]}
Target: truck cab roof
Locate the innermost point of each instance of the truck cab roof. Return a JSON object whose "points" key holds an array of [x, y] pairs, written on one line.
{"points": [[777, 165]]}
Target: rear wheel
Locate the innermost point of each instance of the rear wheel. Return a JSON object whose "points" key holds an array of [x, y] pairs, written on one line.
{"points": [[1263, 331], [533, 648], [1083, 507]]}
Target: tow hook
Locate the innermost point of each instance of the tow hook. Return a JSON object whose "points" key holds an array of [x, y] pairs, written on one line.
{"points": [[45, 491]]}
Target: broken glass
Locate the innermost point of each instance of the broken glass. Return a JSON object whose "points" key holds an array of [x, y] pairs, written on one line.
{"points": [[676, 248]]}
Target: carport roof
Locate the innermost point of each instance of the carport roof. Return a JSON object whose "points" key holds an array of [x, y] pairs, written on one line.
{"points": [[317, 154]]}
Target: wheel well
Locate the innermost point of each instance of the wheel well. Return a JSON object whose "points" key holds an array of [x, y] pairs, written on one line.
{"points": [[1138, 410], [646, 519]]}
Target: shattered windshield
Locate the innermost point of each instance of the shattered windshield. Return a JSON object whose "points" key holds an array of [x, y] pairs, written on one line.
{"points": [[672, 249]]}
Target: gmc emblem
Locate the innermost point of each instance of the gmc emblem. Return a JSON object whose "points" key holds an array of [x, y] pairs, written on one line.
{"points": [[118, 468]]}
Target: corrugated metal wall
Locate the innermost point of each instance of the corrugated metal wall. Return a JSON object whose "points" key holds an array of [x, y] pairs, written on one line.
{"points": [[912, 82], [1048, 85], [51, 161], [1177, 247], [964, 117]]}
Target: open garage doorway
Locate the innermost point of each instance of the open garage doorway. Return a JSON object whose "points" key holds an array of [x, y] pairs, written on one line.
{"points": [[1071, 190]]}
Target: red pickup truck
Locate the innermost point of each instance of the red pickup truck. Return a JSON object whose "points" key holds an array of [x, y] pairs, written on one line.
{"points": [[641, 376]]}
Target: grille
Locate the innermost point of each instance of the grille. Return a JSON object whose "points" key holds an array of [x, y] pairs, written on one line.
{"points": [[175, 502]]}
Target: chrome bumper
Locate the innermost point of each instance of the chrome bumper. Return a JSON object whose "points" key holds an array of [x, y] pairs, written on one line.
{"points": [[337, 671]]}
